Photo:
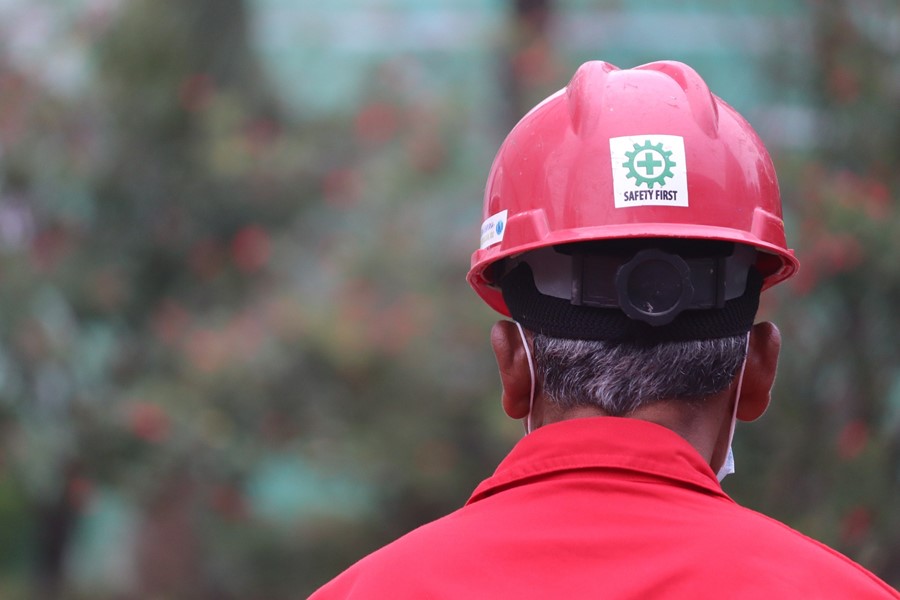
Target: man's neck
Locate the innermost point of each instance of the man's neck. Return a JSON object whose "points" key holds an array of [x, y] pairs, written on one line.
{"points": [[701, 424]]}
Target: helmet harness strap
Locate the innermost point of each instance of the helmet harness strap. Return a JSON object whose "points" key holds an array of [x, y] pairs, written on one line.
{"points": [[727, 467], [531, 374]]}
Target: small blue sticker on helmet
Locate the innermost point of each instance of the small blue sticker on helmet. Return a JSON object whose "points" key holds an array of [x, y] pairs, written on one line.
{"points": [[493, 229]]}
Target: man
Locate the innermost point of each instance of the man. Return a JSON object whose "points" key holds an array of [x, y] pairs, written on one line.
{"points": [[631, 221]]}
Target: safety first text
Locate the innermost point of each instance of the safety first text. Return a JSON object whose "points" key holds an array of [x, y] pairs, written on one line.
{"points": [[637, 195]]}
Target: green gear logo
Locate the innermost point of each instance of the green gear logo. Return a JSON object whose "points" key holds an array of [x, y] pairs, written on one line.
{"points": [[650, 164]]}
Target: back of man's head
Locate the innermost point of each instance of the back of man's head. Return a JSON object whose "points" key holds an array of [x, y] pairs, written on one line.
{"points": [[631, 221]]}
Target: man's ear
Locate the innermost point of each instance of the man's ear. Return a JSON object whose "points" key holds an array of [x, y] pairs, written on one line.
{"points": [[759, 374], [512, 362]]}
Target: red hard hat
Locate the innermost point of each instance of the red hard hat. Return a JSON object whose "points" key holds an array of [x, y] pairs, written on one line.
{"points": [[647, 152]]}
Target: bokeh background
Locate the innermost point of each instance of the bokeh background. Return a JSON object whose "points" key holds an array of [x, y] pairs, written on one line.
{"points": [[237, 351]]}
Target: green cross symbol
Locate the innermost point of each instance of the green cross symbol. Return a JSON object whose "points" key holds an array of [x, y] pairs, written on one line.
{"points": [[649, 163]]}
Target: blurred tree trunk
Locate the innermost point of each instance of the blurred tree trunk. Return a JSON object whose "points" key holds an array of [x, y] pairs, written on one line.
{"points": [[56, 519], [168, 549], [529, 67]]}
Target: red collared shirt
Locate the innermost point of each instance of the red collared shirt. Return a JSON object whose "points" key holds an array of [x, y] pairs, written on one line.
{"points": [[604, 508]]}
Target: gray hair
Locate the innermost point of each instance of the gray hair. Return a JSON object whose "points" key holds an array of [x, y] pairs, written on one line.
{"points": [[621, 377]]}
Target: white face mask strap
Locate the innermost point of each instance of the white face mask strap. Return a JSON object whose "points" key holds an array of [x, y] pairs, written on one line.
{"points": [[531, 373], [728, 467]]}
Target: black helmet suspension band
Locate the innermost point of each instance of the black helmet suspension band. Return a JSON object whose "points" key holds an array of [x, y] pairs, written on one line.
{"points": [[650, 285]]}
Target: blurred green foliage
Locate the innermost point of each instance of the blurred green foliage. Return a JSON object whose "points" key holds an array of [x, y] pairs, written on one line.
{"points": [[237, 351]]}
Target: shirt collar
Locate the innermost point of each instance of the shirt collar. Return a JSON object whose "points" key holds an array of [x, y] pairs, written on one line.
{"points": [[602, 442]]}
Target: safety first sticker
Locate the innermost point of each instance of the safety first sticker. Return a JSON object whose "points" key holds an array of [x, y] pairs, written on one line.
{"points": [[649, 170], [492, 229]]}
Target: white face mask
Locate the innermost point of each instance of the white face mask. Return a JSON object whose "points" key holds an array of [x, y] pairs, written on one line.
{"points": [[727, 467], [531, 372]]}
